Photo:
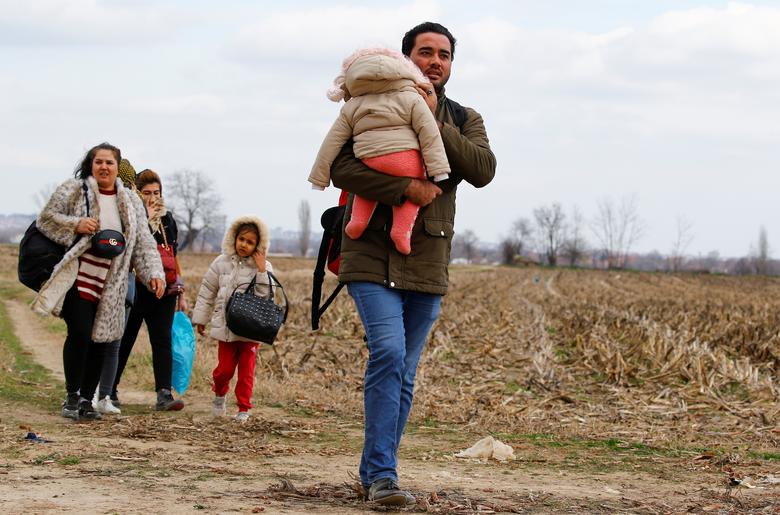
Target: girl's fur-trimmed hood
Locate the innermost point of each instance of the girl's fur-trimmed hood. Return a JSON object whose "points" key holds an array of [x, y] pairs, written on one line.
{"points": [[229, 241]]}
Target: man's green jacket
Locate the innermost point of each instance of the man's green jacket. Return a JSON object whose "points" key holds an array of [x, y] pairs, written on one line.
{"points": [[373, 257]]}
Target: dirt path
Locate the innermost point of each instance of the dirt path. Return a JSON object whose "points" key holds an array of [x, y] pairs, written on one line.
{"points": [[46, 346], [150, 462]]}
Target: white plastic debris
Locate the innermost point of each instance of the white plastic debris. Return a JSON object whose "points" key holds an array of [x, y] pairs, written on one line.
{"points": [[488, 448]]}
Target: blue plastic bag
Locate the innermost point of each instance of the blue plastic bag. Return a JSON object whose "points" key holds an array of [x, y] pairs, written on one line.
{"points": [[183, 350]]}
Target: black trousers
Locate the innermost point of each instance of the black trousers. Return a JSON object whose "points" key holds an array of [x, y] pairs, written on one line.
{"points": [[158, 315], [82, 359]]}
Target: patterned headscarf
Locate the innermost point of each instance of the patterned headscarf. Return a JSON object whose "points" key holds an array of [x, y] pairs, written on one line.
{"points": [[127, 173], [156, 212]]}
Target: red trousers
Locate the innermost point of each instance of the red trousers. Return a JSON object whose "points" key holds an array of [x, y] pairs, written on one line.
{"points": [[230, 355], [406, 163]]}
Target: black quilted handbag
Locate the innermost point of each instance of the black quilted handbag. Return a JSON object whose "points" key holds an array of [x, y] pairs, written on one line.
{"points": [[254, 317]]}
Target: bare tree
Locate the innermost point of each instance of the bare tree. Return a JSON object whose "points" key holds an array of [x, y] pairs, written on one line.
{"points": [[514, 243], [195, 202], [617, 229], [466, 244], [550, 224], [683, 238], [304, 227], [760, 255], [574, 245]]}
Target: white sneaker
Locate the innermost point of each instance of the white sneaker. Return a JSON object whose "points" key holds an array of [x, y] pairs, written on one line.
{"points": [[242, 416], [106, 407], [218, 408]]}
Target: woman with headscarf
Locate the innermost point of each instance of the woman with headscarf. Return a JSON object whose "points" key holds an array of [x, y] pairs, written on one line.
{"points": [[157, 312]]}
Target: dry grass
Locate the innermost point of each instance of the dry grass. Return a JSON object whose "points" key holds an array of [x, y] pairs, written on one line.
{"points": [[658, 358]]}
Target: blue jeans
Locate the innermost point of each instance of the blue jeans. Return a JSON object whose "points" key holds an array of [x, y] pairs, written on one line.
{"points": [[397, 323]]}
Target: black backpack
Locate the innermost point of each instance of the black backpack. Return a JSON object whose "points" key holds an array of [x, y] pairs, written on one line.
{"points": [[38, 255], [332, 220]]}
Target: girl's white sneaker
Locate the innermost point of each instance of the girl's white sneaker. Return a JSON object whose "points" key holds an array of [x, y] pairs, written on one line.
{"points": [[218, 407], [106, 407], [242, 416]]}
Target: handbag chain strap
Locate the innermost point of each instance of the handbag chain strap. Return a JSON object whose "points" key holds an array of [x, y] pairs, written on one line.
{"points": [[162, 230], [271, 280]]}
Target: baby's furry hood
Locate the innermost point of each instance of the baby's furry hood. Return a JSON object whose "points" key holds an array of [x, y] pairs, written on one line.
{"points": [[229, 241], [374, 70]]}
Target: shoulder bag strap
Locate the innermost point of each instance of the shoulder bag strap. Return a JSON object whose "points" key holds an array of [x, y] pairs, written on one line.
{"points": [[86, 195], [272, 277]]}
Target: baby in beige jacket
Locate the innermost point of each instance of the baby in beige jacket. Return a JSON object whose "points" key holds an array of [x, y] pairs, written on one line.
{"points": [[393, 131]]}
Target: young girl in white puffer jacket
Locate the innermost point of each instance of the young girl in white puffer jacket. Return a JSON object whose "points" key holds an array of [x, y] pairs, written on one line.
{"points": [[243, 257]]}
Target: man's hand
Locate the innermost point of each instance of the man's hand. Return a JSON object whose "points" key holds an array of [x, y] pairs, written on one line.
{"points": [[200, 328], [421, 192], [158, 287], [429, 95]]}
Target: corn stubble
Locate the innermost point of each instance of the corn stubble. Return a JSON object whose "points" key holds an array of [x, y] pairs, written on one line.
{"points": [[656, 357]]}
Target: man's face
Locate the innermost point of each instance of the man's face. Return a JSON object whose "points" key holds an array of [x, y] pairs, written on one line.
{"points": [[433, 55]]}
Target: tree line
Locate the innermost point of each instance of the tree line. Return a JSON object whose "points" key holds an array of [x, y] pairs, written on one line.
{"points": [[551, 236], [554, 237]]}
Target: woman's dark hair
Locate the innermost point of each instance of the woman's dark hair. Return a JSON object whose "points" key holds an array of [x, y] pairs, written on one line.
{"points": [[147, 177], [248, 227], [84, 169], [407, 44]]}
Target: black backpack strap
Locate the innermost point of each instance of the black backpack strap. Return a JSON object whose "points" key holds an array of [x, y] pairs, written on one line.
{"points": [[319, 278], [457, 111], [331, 222], [86, 195]]}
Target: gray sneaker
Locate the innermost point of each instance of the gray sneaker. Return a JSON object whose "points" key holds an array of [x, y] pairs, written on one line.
{"points": [[87, 411], [385, 491], [70, 408], [166, 402]]}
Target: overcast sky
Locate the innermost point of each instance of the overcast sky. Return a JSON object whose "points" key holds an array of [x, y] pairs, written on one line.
{"points": [[677, 102]]}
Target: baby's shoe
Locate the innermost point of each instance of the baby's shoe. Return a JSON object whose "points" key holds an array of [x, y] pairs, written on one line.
{"points": [[242, 416], [218, 406]]}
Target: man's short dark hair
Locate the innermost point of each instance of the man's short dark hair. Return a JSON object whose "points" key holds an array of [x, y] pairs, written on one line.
{"points": [[407, 44]]}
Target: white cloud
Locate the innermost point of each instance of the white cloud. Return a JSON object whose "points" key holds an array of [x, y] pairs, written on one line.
{"points": [[305, 35], [201, 105], [82, 22], [681, 108]]}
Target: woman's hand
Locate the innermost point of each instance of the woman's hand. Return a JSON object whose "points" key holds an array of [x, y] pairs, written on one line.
{"points": [[157, 286], [87, 225], [200, 328], [259, 257], [181, 303]]}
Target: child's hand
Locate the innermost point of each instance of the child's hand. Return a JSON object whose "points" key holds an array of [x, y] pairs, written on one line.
{"points": [[200, 328], [259, 257]]}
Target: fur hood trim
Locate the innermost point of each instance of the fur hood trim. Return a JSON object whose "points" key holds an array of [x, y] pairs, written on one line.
{"points": [[374, 70], [229, 242]]}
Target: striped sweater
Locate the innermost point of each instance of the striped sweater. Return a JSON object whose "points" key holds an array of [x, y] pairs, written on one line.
{"points": [[93, 270]]}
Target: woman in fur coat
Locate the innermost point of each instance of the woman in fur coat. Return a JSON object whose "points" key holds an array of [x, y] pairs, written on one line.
{"points": [[243, 258], [88, 291]]}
